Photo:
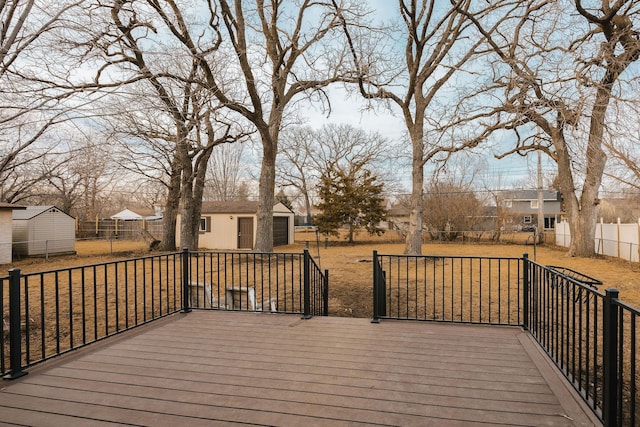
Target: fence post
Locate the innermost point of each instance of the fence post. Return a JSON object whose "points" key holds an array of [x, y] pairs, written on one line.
{"points": [[525, 290], [376, 283], [15, 331], [186, 306], [610, 359], [307, 285], [325, 297]]}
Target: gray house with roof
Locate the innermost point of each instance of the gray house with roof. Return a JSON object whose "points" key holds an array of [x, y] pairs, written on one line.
{"points": [[523, 208]]}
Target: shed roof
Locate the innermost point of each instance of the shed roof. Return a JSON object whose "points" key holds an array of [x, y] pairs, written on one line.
{"points": [[10, 206], [237, 206], [234, 206], [33, 211]]}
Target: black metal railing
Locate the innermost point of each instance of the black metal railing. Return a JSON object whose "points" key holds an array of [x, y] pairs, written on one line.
{"points": [[590, 335], [565, 316], [448, 288], [50, 313], [253, 281]]}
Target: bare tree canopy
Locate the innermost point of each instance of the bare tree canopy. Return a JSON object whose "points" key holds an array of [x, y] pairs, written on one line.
{"points": [[437, 47], [33, 87], [558, 74], [307, 154]]}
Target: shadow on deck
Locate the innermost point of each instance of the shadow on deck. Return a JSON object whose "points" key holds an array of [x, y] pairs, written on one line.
{"points": [[229, 368]]}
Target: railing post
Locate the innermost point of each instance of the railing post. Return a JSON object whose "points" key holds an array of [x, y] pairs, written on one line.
{"points": [[186, 301], [325, 296], [15, 331], [307, 285], [376, 283], [525, 291], [610, 359]]}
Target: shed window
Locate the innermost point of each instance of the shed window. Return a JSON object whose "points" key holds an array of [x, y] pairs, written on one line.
{"points": [[534, 204], [205, 224], [527, 219]]}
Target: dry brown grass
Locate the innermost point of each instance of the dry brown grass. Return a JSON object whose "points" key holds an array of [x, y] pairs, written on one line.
{"points": [[351, 272], [350, 268]]}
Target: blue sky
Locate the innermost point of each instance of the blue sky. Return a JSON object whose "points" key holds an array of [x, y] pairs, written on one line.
{"points": [[387, 120]]}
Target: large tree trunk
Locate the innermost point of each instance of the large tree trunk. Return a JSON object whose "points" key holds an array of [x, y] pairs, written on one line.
{"points": [[267, 185], [187, 219], [200, 175], [170, 214], [581, 212], [413, 241]]}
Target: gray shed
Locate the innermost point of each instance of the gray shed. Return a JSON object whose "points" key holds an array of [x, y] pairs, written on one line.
{"points": [[43, 230]]}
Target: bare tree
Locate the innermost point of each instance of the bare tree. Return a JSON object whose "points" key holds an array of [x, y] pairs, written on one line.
{"points": [[450, 209], [557, 89], [225, 173], [307, 154], [32, 103], [282, 53], [77, 178], [621, 142], [191, 120], [439, 41]]}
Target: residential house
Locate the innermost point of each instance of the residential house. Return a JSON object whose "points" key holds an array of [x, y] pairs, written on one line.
{"points": [[523, 208]]}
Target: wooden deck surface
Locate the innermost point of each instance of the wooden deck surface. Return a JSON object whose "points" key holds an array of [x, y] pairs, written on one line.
{"points": [[231, 368]]}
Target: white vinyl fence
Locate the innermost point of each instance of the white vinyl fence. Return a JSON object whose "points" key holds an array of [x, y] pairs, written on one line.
{"points": [[616, 240]]}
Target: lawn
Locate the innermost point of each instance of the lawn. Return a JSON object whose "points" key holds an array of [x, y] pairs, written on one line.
{"points": [[350, 267]]}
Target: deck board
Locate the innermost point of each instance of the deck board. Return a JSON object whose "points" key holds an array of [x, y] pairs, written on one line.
{"points": [[223, 368]]}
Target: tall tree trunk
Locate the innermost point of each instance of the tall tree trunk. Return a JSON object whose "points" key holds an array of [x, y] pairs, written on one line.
{"points": [[267, 185], [413, 241], [186, 198], [199, 180], [307, 206], [581, 212], [170, 214]]}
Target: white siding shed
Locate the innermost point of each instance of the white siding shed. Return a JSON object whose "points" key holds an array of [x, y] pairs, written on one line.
{"points": [[233, 225], [43, 230]]}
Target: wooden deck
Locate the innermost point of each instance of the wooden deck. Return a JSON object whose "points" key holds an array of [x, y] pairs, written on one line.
{"points": [[224, 368]]}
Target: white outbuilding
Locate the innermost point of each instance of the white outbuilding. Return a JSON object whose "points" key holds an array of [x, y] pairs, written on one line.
{"points": [[43, 230], [6, 231], [232, 225]]}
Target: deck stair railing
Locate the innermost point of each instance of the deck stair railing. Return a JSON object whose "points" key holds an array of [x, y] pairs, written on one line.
{"points": [[50, 313]]}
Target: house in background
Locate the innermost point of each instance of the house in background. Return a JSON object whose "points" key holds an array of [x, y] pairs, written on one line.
{"points": [[43, 230], [232, 225], [6, 231], [523, 208]]}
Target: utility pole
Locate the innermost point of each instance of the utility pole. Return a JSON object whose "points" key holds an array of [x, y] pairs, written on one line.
{"points": [[540, 199]]}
